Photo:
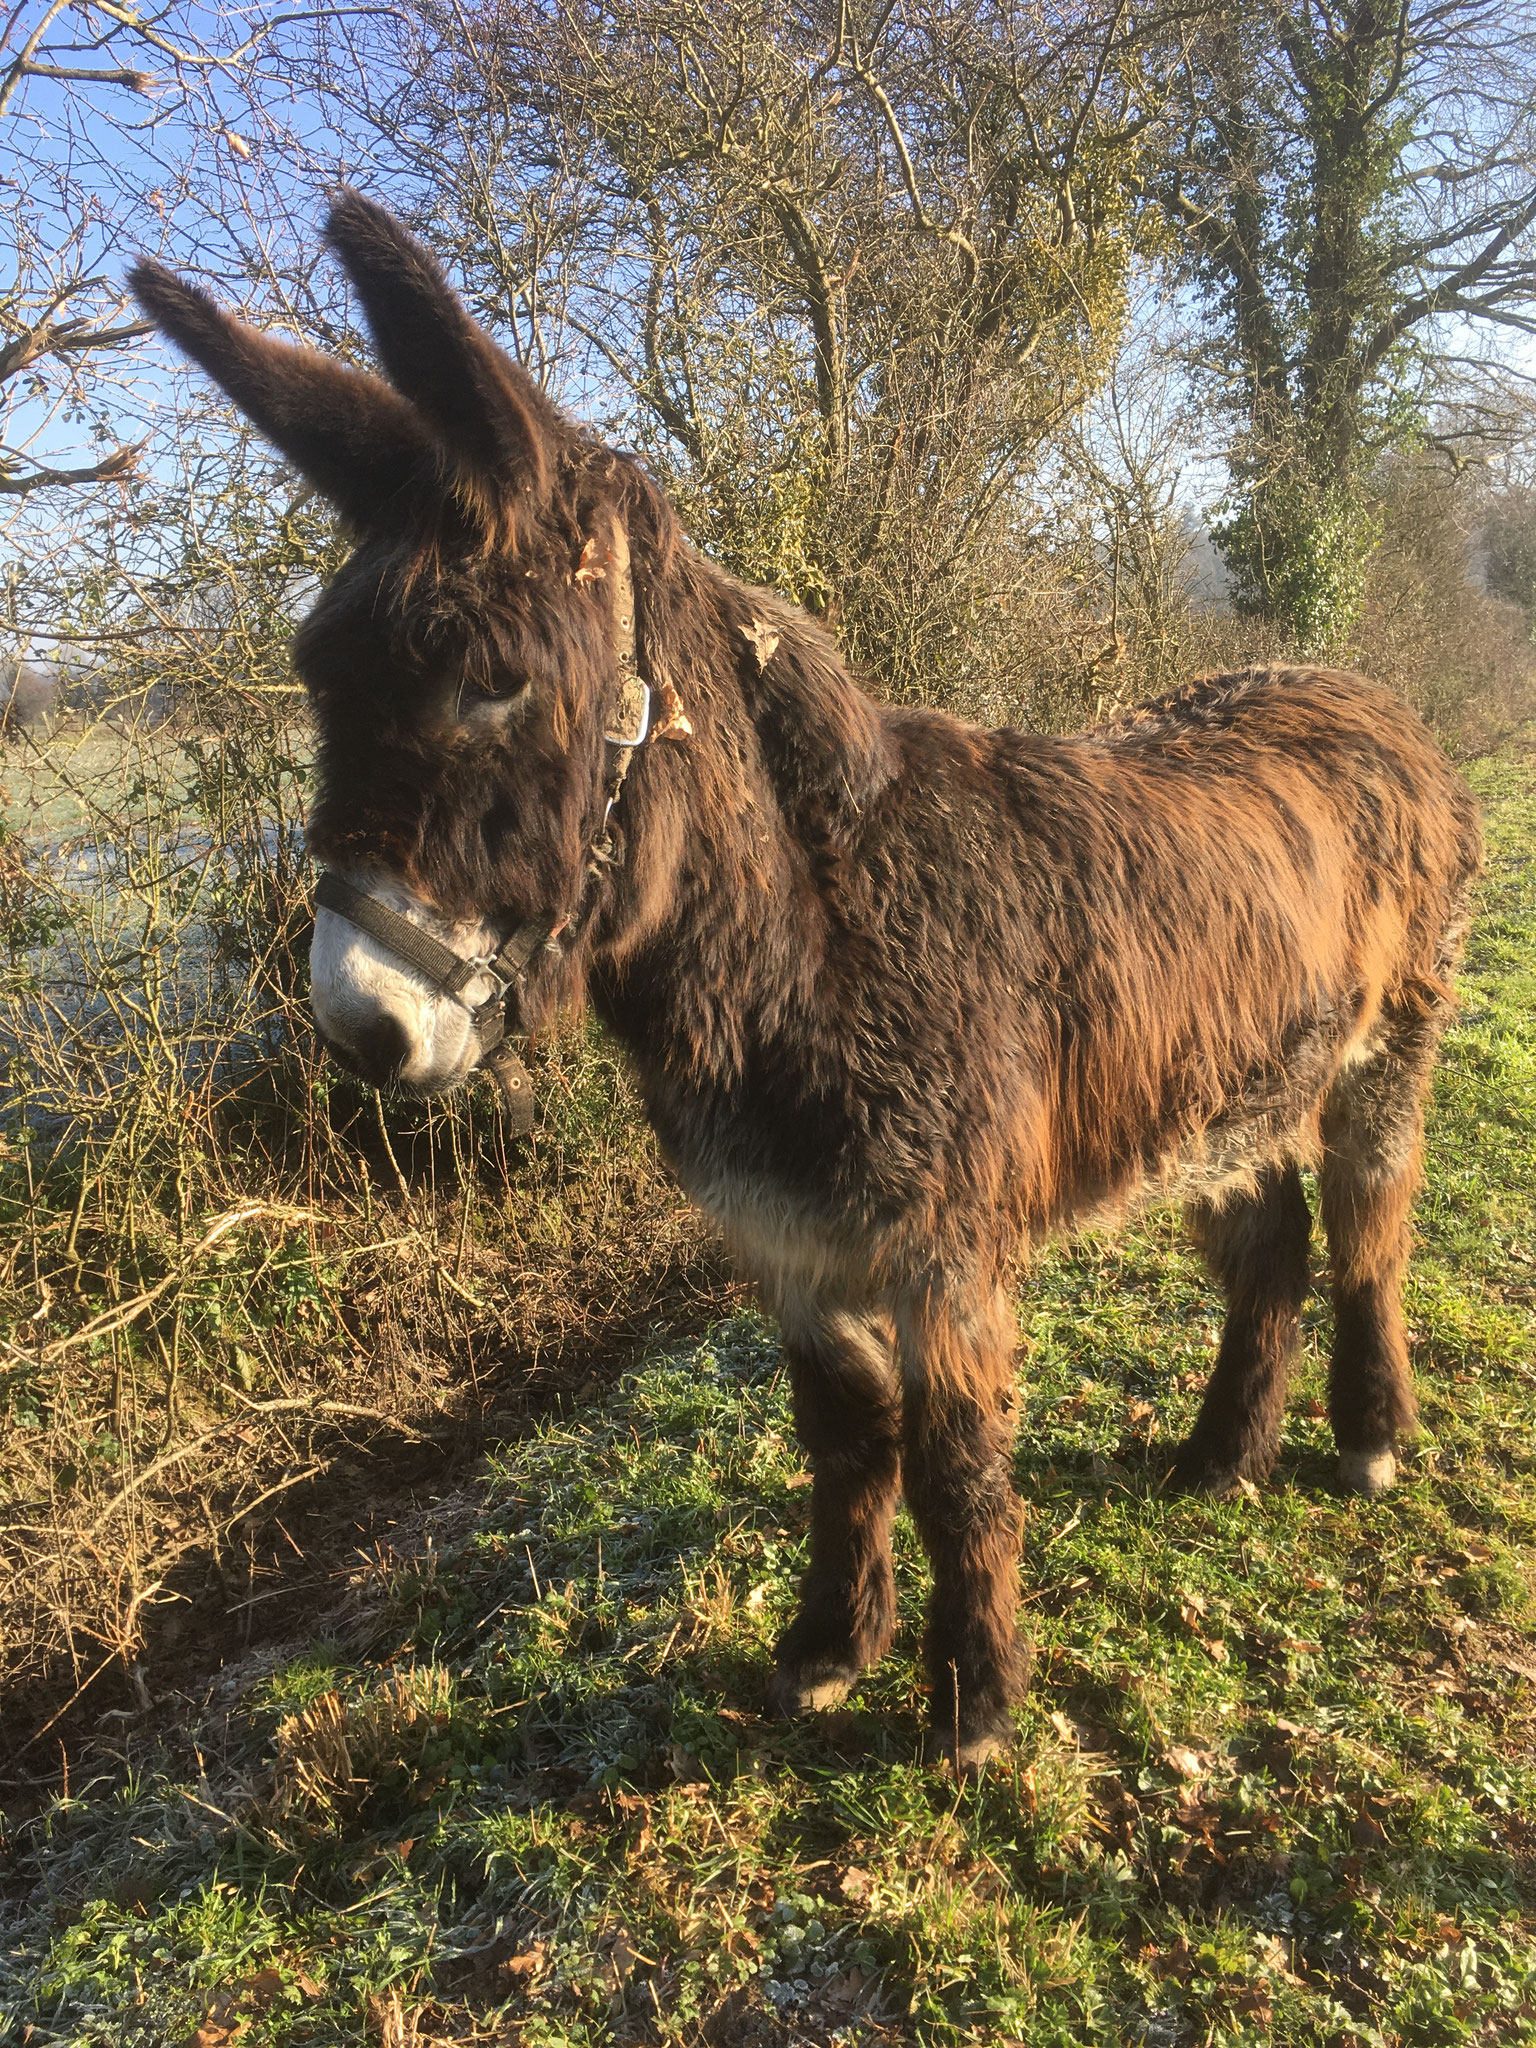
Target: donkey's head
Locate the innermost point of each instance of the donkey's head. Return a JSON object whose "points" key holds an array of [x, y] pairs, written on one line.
{"points": [[464, 666]]}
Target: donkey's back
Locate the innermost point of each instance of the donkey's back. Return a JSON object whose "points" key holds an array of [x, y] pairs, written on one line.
{"points": [[1236, 897]]}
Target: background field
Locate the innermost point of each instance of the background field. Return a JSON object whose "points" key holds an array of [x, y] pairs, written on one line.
{"points": [[498, 1771]]}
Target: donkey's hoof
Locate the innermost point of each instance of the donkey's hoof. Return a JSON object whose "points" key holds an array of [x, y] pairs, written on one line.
{"points": [[1195, 1470], [976, 1748], [797, 1689], [1367, 1472]]}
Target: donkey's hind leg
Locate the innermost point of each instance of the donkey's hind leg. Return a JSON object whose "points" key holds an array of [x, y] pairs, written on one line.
{"points": [[1373, 1120], [1256, 1245], [848, 1415], [957, 1381]]}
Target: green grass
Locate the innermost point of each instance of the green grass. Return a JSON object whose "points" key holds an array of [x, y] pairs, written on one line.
{"points": [[1276, 1777]]}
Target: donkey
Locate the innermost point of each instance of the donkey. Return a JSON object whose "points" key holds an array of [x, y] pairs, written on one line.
{"points": [[905, 997]]}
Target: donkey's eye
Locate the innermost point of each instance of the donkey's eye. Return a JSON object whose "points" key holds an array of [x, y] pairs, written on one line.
{"points": [[489, 707]]}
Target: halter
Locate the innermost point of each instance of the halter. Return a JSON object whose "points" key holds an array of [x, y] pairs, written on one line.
{"points": [[448, 972]]}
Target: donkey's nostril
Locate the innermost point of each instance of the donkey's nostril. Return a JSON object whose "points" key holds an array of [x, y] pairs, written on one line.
{"points": [[379, 1049]]}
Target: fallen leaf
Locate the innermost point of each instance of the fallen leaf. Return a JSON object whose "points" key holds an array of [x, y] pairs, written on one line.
{"points": [[857, 1884], [593, 565], [234, 2005], [621, 1961], [847, 1988], [1064, 1728], [1188, 1763], [763, 640], [674, 722]]}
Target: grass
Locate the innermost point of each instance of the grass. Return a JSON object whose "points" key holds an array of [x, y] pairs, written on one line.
{"points": [[1275, 1778]]}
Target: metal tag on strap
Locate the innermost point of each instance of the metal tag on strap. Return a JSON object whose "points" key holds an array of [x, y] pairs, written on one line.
{"points": [[632, 712]]}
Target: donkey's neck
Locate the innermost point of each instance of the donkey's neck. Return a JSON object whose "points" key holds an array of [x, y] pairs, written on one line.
{"points": [[737, 837]]}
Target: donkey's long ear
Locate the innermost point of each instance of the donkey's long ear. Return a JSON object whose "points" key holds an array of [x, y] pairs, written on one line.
{"points": [[350, 435], [489, 411]]}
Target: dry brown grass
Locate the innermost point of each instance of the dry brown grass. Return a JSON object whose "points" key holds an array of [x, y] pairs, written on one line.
{"points": [[241, 1300]]}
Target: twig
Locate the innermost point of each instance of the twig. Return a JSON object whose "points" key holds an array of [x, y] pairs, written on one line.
{"points": [[54, 1719], [186, 1450], [282, 1486]]}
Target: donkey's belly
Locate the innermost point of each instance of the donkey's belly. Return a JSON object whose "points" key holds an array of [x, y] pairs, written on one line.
{"points": [[1272, 1121], [1224, 1162], [832, 1210]]}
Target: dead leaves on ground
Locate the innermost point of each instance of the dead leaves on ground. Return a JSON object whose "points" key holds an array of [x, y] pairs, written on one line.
{"points": [[233, 2006]]}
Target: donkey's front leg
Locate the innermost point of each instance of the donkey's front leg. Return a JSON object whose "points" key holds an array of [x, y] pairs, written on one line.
{"points": [[848, 1415], [958, 1394]]}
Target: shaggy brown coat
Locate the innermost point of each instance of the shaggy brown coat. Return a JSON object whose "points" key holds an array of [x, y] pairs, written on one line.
{"points": [[904, 996]]}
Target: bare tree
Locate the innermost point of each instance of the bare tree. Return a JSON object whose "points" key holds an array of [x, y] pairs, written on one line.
{"points": [[119, 132], [1124, 460]]}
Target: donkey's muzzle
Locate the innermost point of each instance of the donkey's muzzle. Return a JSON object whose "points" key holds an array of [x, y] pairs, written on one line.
{"points": [[376, 1050]]}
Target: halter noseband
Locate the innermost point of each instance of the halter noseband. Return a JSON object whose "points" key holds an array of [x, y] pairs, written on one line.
{"points": [[448, 972]]}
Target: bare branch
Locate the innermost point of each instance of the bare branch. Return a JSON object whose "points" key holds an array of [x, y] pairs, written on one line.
{"points": [[19, 483]]}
